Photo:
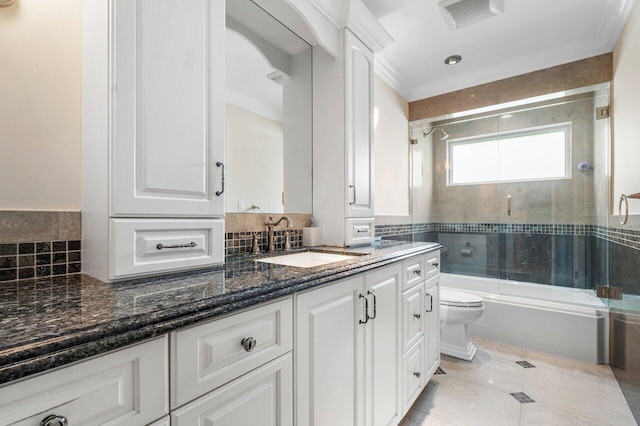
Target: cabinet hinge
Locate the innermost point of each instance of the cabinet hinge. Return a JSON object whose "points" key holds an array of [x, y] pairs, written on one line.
{"points": [[605, 292]]}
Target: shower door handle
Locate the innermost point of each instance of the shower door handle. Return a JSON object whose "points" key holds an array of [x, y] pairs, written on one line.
{"points": [[508, 205]]}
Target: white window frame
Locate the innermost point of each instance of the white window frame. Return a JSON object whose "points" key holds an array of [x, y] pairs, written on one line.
{"points": [[566, 127]]}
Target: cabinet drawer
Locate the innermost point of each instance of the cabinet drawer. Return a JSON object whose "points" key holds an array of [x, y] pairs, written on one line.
{"points": [[359, 231], [262, 397], [412, 373], [126, 387], [431, 265], [412, 316], [144, 246], [413, 271], [207, 356]]}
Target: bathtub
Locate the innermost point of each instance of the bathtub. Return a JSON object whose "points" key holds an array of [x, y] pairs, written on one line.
{"points": [[563, 321]]}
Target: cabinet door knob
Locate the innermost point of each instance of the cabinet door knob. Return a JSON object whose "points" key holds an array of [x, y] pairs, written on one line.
{"points": [[417, 271], [417, 374], [435, 264], [248, 343], [54, 420], [416, 316]]}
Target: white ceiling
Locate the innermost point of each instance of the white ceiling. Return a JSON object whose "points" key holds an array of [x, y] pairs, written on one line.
{"points": [[530, 35]]}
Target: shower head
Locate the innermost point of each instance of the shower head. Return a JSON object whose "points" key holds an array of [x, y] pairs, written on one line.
{"points": [[443, 135]]}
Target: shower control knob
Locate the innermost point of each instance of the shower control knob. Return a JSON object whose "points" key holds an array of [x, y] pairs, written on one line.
{"points": [[417, 316], [249, 343], [417, 374]]}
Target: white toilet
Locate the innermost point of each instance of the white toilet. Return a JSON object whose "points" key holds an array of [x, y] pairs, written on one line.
{"points": [[457, 310]]}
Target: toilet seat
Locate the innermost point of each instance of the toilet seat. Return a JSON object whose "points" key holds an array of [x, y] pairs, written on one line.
{"points": [[459, 299]]}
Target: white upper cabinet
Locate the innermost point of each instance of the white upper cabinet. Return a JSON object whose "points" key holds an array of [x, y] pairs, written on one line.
{"points": [[168, 108], [358, 127]]}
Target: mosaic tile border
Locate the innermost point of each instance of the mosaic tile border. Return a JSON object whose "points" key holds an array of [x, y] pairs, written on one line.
{"points": [[485, 228], [40, 259], [626, 237], [242, 242]]}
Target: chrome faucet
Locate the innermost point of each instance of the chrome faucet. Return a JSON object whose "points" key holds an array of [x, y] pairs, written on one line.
{"points": [[270, 225]]}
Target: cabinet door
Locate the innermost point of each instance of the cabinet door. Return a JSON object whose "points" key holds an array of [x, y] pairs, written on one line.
{"points": [[261, 397], [358, 127], [432, 327], [168, 108], [383, 342], [412, 316], [330, 355]]}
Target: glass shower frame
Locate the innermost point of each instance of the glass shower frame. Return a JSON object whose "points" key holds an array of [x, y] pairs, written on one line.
{"points": [[506, 230]]}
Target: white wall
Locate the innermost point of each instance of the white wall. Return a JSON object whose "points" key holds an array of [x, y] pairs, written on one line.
{"points": [[40, 105], [625, 113], [391, 142], [254, 158]]}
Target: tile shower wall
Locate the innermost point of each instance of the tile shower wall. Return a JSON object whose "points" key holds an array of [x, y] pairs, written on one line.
{"points": [[39, 244], [580, 256]]}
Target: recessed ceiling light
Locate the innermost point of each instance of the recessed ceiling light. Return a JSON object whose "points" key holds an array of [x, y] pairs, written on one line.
{"points": [[453, 59]]}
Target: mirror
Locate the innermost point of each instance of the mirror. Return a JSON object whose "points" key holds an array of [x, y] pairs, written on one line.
{"points": [[268, 114]]}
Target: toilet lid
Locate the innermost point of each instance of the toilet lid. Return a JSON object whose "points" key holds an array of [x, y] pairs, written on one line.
{"points": [[459, 298]]}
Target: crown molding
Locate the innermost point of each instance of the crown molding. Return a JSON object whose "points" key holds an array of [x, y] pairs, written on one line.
{"points": [[367, 28], [392, 76], [251, 105], [561, 55], [613, 21]]}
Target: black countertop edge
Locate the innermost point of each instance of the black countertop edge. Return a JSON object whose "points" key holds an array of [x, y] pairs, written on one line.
{"points": [[35, 358]]}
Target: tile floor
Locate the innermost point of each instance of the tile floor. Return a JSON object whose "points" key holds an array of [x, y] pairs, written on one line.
{"points": [[565, 392]]}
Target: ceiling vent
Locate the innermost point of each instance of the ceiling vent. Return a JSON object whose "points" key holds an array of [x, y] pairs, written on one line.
{"points": [[462, 13]]}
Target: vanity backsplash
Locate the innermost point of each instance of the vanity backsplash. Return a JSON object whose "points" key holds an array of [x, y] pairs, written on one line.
{"points": [[46, 244], [36, 244]]}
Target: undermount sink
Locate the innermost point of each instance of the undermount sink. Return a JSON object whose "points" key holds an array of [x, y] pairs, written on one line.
{"points": [[307, 259]]}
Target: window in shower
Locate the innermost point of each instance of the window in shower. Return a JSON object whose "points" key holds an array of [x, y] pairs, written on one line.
{"points": [[532, 154]]}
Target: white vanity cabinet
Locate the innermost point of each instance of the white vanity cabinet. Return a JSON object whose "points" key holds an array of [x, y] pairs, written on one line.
{"points": [[348, 351], [126, 387], [420, 324], [153, 136], [343, 150]]}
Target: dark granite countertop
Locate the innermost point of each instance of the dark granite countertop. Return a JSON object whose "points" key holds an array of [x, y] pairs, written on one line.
{"points": [[52, 322]]}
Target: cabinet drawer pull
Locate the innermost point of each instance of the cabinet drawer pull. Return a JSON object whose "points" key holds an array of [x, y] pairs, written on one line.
{"points": [[430, 303], [175, 246], [435, 264], [354, 194], [417, 271], [219, 193], [366, 309], [248, 343], [417, 316], [54, 420], [375, 305], [417, 374]]}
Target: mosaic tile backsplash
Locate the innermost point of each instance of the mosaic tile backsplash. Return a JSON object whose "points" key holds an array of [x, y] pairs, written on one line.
{"points": [[242, 242], [39, 259]]}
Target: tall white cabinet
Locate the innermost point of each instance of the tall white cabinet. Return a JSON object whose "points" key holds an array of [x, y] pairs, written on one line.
{"points": [[153, 136], [343, 151]]}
